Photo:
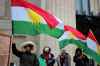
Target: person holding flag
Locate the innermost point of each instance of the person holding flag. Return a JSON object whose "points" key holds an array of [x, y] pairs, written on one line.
{"points": [[26, 56]]}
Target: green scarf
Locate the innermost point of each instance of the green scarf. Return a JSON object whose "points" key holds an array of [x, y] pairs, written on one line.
{"points": [[42, 62]]}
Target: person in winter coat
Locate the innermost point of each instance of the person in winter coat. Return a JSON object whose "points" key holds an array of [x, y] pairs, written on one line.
{"points": [[91, 62], [64, 59], [80, 59], [27, 57], [48, 56]]}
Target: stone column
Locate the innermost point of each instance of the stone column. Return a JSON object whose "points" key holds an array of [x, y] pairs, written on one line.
{"points": [[95, 6]]}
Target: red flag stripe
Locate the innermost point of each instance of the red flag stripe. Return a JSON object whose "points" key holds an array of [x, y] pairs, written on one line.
{"points": [[91, 36], [75, 32]]}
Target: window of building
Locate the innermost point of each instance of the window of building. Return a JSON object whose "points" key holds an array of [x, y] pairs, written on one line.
{"points": [[82, 7]]}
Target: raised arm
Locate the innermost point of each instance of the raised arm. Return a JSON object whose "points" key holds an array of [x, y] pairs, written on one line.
{"points": [[16, 51]]}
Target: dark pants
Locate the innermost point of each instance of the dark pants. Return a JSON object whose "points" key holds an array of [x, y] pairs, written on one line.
{"points": [[11, 64]]}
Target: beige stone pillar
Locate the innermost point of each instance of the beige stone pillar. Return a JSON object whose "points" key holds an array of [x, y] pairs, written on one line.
{"points": [[95, 6]]}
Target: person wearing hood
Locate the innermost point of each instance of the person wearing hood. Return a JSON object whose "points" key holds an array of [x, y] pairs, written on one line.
{"points": [[27, 57], [64, 59], [80, 59], [48, 56]]}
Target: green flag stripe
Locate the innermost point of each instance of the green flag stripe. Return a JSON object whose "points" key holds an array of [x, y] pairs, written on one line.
{"points": [[23, 27], [54, 32], [65, 42], [92, 54]]}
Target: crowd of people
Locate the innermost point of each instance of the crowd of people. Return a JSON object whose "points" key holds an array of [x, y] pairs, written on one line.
{"points": [[29, 58]]}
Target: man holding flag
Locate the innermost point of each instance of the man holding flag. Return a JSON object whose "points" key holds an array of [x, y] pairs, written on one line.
{"points": [[27, 56]]}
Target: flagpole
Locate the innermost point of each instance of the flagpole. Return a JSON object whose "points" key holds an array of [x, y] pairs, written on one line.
{"points": [[10, 46], [9, 51]]}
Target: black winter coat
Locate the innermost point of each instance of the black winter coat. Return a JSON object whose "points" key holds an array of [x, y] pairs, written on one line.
{"points": [[81, 62], [26, 59]]}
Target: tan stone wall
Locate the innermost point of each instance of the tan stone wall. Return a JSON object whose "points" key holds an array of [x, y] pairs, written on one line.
{"points": [[5, 26]]}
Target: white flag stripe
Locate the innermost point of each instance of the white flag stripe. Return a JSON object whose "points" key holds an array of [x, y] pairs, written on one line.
{"points": [[64, 36], [91, 44], [19, 14], [60, 26], [43, 21]]}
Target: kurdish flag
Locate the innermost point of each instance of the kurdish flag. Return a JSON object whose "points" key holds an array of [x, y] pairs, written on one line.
{"points": [[93, 48], [32, 20], [72, 36], [21, 22], [89, 44]]}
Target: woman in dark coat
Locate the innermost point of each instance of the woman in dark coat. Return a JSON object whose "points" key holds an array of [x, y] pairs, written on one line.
{"points": [[27, 58], [64, 59], [80, 59], [48, 56]]}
